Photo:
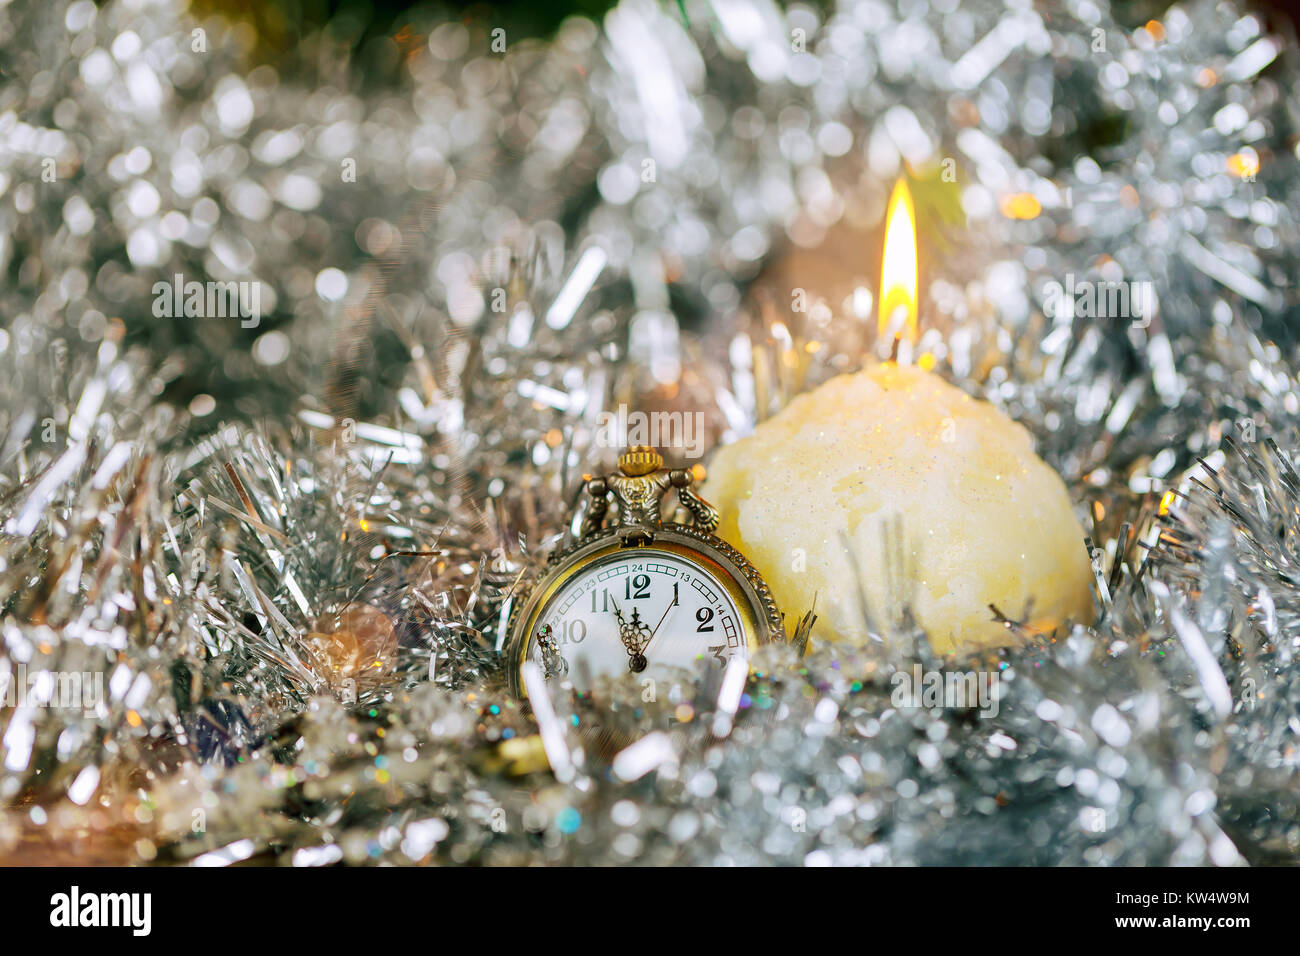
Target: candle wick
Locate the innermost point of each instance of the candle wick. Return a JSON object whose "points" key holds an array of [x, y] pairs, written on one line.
{"points": [[893, 350]]}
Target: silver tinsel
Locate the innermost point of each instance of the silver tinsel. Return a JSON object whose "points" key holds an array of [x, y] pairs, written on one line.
{"points": [[458, 271]]}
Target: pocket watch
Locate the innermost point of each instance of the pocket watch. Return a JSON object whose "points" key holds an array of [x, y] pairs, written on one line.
{"points": [[642, 596]]}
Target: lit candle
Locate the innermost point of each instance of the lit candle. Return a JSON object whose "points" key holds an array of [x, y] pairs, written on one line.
{"points": [[889, 489], [898, 271]]}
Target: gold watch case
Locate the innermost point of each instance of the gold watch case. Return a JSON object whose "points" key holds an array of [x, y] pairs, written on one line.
{"points": [[760, 619], [637, 488]]}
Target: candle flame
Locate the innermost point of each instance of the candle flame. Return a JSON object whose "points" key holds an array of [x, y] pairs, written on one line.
{"points": [[898, 265]]}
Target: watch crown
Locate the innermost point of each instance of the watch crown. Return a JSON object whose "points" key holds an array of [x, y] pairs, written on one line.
{"points": [[639, 460]]}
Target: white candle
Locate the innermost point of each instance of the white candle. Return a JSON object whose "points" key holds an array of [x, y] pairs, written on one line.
{"points": [[813, 495], [892, 487]]}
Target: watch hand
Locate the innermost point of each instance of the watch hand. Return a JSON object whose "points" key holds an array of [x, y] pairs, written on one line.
{"points": [[633, 635], [671, 605], [626, 631]]}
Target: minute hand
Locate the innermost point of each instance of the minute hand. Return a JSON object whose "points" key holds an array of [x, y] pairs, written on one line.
{"points": [[672, 605]]}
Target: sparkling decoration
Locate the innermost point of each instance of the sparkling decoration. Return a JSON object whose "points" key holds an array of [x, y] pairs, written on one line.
{"points": [[300, 373]]}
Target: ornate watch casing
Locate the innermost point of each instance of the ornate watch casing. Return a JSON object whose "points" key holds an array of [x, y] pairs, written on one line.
{"points": [[638, 488]]}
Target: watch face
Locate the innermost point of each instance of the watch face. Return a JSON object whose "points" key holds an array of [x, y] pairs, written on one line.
{"points": [[640, 611]]}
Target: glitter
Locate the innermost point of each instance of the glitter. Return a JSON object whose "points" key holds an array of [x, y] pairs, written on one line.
{"points": [[331, 284], [576, 287], [568, 820], [233, 853], [204, 164], [651, 752]]}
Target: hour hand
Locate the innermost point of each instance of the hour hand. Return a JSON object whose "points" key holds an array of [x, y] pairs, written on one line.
{"points": [[635, 635]]}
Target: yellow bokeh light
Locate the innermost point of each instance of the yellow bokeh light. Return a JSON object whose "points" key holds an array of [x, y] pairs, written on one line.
{"points": [[1244, 165], [1021, 206]]}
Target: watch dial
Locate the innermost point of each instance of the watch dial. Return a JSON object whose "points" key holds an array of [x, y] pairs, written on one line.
{"points": [[641, 613]]}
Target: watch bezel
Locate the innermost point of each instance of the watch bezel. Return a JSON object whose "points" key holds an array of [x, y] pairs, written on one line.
{"points": [[760, 615]]}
